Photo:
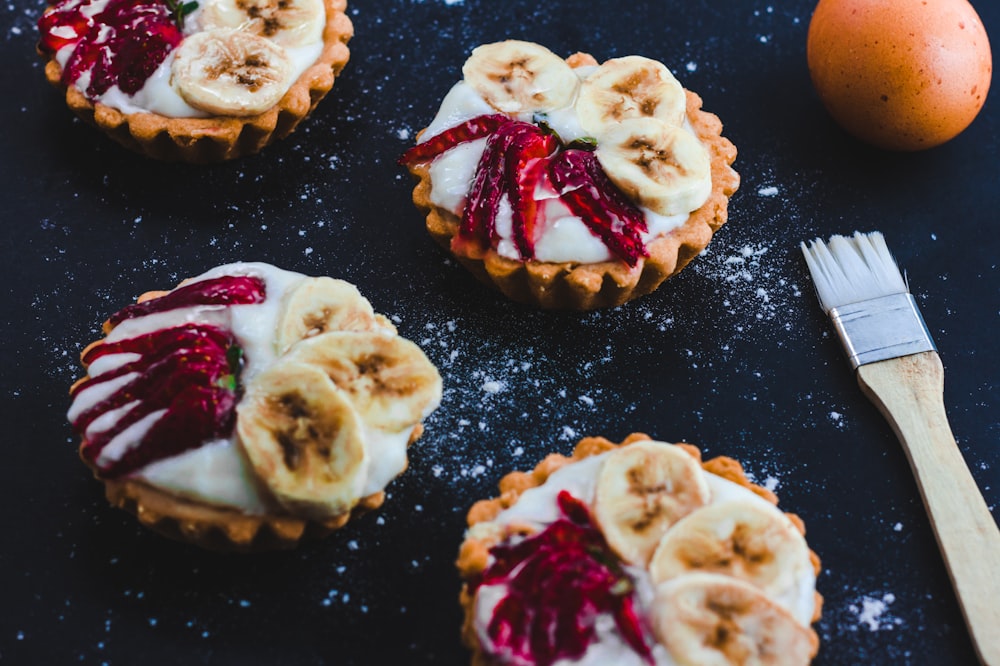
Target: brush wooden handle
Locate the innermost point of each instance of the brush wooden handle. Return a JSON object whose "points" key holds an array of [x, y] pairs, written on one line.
{"points": [[909, 391]]}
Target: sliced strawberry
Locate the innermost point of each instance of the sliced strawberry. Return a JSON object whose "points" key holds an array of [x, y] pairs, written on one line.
{"points": [[522, 169], [196, 415], [194, 396], [557, 583], [121, 45], [165, 380], [188, 370], [146, 35], [61, 24], [189, 360], [506, 168], [590, 195], [167, 373], [470, 130], [85, 57], [225, 290], [160, 342], [488, 186]]}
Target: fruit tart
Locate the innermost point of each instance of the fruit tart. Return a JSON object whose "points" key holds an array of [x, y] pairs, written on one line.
{"points": [[635, 554], [250, 407], [567, 183], [194, 80]]}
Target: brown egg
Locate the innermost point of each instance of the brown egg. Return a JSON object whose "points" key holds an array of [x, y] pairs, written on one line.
{"points": [[900, 74]]}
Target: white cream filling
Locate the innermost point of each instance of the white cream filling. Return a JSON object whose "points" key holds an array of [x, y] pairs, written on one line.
{"points": [[217, 472], [159, 95], [538, 507], [562, 236]]}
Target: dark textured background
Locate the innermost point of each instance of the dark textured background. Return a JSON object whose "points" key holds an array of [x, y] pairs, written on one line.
{"points": [[733, 354]]}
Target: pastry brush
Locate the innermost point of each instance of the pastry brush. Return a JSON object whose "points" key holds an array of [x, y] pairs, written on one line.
{"points": [[859, 285]]}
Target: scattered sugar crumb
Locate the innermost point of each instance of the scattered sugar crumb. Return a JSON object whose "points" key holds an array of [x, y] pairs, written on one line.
{"points": [[873, 614], [898, 527], [769, 191], [493, 386]]}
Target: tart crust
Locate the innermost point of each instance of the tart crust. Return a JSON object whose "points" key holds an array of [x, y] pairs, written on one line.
{"points": [[583, 286], [473, 555], [219, 138], [222, 528]]}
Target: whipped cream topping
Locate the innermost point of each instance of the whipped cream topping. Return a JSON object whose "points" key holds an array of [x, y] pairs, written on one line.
{"points": [[217, 472], [537, 507], [563, 237]]}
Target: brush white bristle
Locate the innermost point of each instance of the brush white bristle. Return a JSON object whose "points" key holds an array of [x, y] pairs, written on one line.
{"points": [[850, 270]]}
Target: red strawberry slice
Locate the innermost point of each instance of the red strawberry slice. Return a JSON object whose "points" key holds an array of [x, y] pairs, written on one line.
{"points": [[225, 290], [488, 186], [523, 167], [470, 130], [61, 25], [557, 583], [590, 195], [196, 415], [160, 342], [142, 364]]}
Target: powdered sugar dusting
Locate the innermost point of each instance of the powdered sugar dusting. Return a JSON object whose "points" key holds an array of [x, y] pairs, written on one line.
{"points": [[487, 385], [750, 280]]}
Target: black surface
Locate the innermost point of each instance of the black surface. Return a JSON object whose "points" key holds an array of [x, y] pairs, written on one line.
{"points": [[734, 354]]}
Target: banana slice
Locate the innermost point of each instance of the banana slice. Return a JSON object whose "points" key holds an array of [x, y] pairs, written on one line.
{"points": [[231, 72], [643, 489], [317, 305], [288, 22], [752, 541], [660, 166], [303, 439], [629, 87], [713, 620], [520, 77], [387, 378]]}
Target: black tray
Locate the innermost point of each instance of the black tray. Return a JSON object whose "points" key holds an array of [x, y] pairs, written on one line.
{"points": [[733, 354]]}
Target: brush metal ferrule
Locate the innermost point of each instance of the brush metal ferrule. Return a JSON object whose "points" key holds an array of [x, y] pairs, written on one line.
{"points": [[881, 328]]}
